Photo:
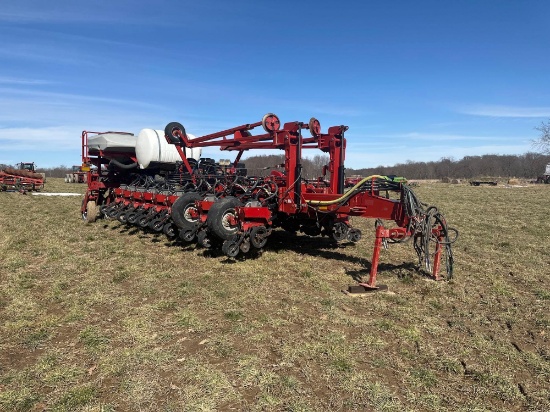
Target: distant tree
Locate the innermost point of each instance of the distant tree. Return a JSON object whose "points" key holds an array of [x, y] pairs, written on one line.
{"points": [[543, 142], [57, 171]]}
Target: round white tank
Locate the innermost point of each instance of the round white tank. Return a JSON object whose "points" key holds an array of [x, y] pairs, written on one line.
{"points": [[153, 149]]}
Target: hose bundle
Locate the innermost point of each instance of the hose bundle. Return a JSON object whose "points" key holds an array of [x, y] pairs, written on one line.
{"points": [[423, 219], [422, 222]]}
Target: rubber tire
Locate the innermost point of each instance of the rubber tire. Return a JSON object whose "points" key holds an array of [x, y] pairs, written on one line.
{"points": [[354, 235], [91, 211], [340, 231], [169, 229], [113, 212], [230, 248], [169, 131], [179, 207], [187, 235], [132, 218], [217, 213], [258, 241], [143, 221], [156, 224], [121, 215]]}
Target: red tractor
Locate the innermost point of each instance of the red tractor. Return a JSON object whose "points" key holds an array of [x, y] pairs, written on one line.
{"points": [[22, 178]]}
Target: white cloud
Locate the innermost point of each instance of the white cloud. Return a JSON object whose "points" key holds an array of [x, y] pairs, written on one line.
{"points": [[505, 111], [19, 81], [45, 138], [67, 97]]}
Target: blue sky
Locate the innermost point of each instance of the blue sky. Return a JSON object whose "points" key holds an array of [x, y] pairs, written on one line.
{"points": [[414, 80]]}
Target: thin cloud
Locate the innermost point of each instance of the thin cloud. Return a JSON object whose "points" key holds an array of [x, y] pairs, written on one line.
{"points": [[71, 11], [18, 81], [505, 111], [35, 136], [443, 137], [75, 97]]}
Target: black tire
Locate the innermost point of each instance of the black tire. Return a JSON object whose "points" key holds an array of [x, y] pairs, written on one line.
{"points": [[169, 229], [258, 236], [354, 235], [132, 218], [169, 132], [143, 220], [156, 224], [230, 248], [340, 231], [245, 246], [113, 211], [218, 217], [187, 235], [121, 215], [181, 211]]}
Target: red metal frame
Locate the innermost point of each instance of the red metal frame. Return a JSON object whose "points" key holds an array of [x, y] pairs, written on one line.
{"points": [[289, 196], [294, 196]]}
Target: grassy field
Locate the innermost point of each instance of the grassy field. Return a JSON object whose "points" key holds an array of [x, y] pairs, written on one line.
{"points": [[103, 317]]}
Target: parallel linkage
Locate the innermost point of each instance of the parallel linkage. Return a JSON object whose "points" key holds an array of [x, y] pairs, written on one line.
{"points": [[219, 205]]}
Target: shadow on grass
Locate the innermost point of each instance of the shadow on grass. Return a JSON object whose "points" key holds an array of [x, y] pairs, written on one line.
{"points": [[404, 271], [281, 241]]}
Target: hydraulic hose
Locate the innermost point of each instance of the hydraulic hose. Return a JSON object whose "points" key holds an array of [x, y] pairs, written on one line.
{"points": [[346, 195], [122, 165]]}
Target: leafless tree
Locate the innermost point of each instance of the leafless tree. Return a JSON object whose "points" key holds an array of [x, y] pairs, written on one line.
{"points": [[543, 142]]}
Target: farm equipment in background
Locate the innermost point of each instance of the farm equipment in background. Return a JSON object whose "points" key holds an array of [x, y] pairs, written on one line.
{"points": [[545, 178], [221, 206], [79, 174], [487, 182], [354, 179], [23, 178]]}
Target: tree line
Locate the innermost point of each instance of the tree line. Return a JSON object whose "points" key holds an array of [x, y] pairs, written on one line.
{"points": [[528, 166]]}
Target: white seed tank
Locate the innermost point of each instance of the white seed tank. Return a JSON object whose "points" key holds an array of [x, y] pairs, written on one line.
{"points": [[152, 150]]}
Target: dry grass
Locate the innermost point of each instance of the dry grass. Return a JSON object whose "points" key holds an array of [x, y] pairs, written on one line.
{"points": [[102, 317]]}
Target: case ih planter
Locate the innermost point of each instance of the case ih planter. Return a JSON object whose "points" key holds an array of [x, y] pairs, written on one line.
{"points": [[221, 206]]}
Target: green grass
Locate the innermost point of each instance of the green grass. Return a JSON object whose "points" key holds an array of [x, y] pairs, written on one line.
{"points": [[102, 317]]}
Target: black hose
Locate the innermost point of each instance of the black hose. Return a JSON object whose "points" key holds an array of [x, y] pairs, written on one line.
{"points": [[120, 165]]}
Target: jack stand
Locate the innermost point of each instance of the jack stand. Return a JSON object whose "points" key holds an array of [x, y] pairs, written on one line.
{"points": [[382, 234]]}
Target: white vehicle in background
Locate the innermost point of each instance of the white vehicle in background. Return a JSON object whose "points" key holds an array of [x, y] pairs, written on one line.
{"points": [[545, 178]]}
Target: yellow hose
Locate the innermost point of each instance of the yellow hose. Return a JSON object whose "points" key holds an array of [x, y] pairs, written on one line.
{"points": [[349, 193]]}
